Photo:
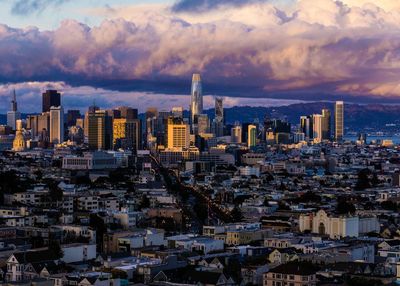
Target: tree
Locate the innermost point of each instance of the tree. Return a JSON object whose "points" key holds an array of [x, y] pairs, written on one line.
{"points": [[236, 214], [363, 181], [343, 207], [144, 203], [55, 248], [201, 211], [97, 223]]}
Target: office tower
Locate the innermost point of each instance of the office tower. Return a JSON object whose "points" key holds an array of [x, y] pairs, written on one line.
{"points": [[151, 116], [43, 122], [306, 127], [201, 124], [72, 116], [50, 98], [177, 112], [326, 124], [92, 109], [339, 120], [19, 140], [100, 130], [196, 102], [251, 135], [178, 134], [236, 134], [114, 113], [161, 125], [317, 127], [56, 125], [13, 115], [126, 133], [219, 120], [128, 112]]}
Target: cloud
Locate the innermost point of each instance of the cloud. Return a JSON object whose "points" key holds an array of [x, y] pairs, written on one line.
{"points": [[80, 97], [205, 5], [25, 7], [256, 50]]}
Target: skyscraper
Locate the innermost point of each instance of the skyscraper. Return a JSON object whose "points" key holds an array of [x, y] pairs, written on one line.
{"points": [[13, 115], [178, 134], [306, 127], [236, 134], [317, 127], [196, 102], [126, 133], [100, 130], [218, 124], [252, 136], [128, 112], [56, 125], [202, 124], [72, 116], [50, 98], [326, 124], [339, 120]]}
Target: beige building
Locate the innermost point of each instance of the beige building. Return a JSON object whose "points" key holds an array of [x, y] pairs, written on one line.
{"points": [[178, 136], [243, 236], [291, 274]]}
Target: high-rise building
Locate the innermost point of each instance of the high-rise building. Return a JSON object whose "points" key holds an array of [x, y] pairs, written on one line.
{"points": [[306, 127], [13, 115], [317, 127], [50, 98], [100, 130], [72, 116], [44, 122], [126, 133], [177, 112], [128, 112], [178, 134], [339, 120], [251, 135], [196, 102], [236, 134], [92, 109], [201, 124], [326, 124], [219, 120], [56, 125]]}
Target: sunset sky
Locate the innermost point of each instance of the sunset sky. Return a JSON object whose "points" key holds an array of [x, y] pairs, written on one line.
{"points": [[253, 52]]}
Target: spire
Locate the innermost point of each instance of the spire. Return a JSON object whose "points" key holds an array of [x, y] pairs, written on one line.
{"points": [[14, 106]]}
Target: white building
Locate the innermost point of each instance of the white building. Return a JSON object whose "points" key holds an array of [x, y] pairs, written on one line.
{"points": [[56, 125], [78, 252], [334, 226], [90, 161]]}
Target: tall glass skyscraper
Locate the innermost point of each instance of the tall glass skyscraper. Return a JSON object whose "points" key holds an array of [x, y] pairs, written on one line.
{"points": [[339, 120], [196, 102], [13, 115]]}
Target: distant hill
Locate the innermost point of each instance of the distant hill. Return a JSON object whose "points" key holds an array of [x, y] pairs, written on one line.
{"points": [[374, 116]]}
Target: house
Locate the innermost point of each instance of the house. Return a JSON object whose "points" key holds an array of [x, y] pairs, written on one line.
{"points": [[193, 277], [28, 265], [280, 256], [291, 274]]}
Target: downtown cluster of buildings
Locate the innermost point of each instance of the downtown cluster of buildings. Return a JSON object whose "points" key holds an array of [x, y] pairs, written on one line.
{"points": [[115, 198]]}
